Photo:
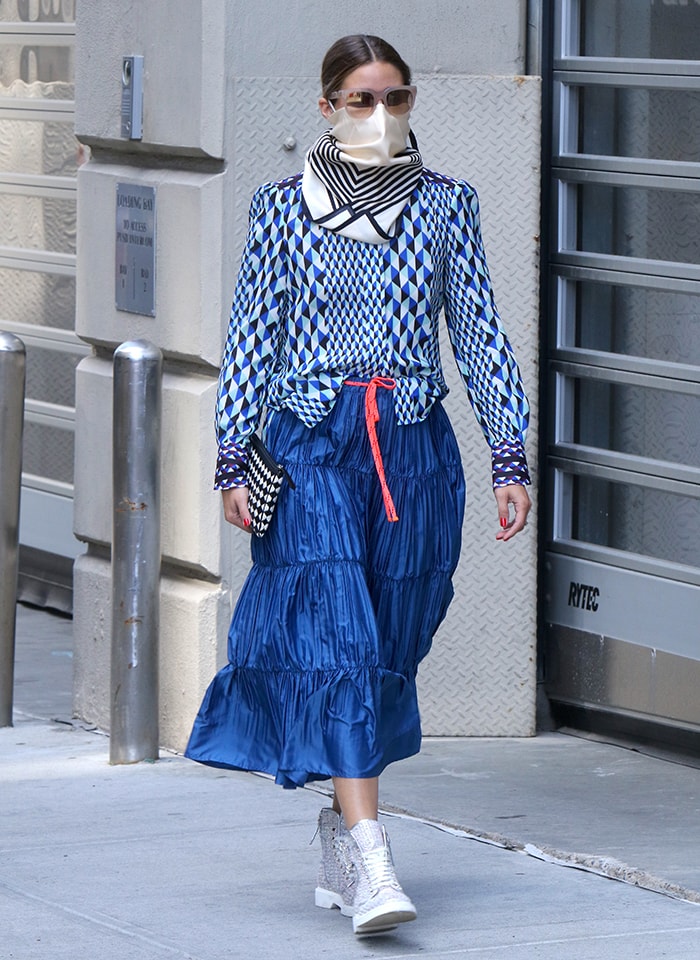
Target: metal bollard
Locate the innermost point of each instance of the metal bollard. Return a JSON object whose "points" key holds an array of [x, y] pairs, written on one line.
{"points": [[138, 368], [12, 376]]}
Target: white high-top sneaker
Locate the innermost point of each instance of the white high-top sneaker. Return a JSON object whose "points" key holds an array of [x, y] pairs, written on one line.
{"points": [[337, 875], [380, 904]]}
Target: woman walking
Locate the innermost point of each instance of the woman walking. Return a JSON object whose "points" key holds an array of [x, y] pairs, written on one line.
{"points": [[334, 333]]}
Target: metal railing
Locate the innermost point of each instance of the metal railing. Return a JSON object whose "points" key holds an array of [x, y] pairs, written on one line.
{"points": [[136, 558], [12, 385]]}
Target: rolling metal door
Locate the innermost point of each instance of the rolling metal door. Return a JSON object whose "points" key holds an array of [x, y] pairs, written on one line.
{"points": [[39, 157], [623, 547]]}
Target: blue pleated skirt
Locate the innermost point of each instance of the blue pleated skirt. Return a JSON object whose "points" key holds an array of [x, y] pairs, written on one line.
{"points": [[340, 606]]}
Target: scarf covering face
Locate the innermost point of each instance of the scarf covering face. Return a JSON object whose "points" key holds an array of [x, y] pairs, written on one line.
{"points": [[356, 186]]}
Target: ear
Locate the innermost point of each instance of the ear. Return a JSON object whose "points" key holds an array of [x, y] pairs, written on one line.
{"points": [[325, 108]]}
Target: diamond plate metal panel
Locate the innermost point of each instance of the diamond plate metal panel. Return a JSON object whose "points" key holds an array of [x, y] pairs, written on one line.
{"points": [[479, 679], [270, 142]]}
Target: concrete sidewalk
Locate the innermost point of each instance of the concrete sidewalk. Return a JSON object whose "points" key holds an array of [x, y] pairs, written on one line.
{"points": [[174, 859]]}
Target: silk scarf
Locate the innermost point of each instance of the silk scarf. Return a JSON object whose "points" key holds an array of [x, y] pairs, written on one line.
{"points": [[361, 202]]}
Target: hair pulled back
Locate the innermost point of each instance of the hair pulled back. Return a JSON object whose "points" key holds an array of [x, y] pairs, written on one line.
{"points": [[353, 51]]}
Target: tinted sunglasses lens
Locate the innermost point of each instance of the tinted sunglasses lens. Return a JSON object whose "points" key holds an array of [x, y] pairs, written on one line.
{"points": [[399, 101], [359, 101]]}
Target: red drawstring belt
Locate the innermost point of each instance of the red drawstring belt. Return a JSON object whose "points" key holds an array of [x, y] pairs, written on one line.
{"points": [[371, 419]]}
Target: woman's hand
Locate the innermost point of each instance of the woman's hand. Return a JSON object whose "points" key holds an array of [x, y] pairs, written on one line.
{"points": [[236, 507], [516, 494]]}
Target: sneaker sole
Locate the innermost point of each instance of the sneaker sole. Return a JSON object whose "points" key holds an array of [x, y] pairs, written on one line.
{"points": [[382, 919], [329, 900]]}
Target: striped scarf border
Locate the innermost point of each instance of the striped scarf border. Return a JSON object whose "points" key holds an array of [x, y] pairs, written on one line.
{"points": [[368, 191]]}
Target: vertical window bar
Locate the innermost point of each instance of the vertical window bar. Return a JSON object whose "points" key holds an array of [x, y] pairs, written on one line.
{"points": [[565, 301], [562, 507], [567, 27], [565, 210]]}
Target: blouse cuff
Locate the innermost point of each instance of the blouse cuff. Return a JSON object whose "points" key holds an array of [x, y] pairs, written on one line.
{"points": [[231, 465], [509, 464]]}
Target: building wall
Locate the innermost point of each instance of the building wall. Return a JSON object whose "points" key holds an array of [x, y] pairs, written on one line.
{"points": [[221, 116]]}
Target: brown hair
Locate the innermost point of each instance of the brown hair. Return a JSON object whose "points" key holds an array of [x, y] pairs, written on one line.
{"points": [[353, 51]]}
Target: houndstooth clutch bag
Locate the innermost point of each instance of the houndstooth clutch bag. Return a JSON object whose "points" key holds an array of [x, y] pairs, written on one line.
{"points": [[265, 479]]}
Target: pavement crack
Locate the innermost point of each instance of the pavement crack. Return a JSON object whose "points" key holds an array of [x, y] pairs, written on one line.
{"points": [[614, 870], [600, 865]]}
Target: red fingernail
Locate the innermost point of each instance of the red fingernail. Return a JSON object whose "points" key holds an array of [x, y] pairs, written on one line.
{"points": [[504, 522], [246, 522]]}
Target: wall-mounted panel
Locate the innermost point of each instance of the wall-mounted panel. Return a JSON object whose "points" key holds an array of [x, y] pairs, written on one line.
{"points": [[188, 72]]}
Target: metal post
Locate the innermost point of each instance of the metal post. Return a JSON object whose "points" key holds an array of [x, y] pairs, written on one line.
{"points": [[12, 370], [138, 368]]}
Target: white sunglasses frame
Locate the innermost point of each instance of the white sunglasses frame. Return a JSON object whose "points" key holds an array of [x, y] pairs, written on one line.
{"points": [[379, 96]]}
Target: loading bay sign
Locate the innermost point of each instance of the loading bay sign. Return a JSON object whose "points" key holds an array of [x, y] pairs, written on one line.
{"points": [[135, 269]]}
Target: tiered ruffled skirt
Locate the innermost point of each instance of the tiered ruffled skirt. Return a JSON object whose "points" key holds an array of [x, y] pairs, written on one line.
{"points": [[340, 605]]}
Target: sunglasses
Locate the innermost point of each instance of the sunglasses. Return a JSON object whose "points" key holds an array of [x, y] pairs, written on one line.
{"points": [[397, 101]]}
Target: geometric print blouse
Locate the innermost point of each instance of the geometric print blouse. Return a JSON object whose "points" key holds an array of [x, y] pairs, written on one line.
{"points": [[312, 308]]}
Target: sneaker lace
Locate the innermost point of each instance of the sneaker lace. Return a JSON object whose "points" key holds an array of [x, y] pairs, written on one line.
{"points": [[380, 868]]}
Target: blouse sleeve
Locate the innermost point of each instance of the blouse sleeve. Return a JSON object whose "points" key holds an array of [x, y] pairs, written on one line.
{"points": [[482, 351], [257, 318]]}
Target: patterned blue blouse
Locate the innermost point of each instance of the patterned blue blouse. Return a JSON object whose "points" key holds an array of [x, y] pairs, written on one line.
{"points": [[312, 308]]}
